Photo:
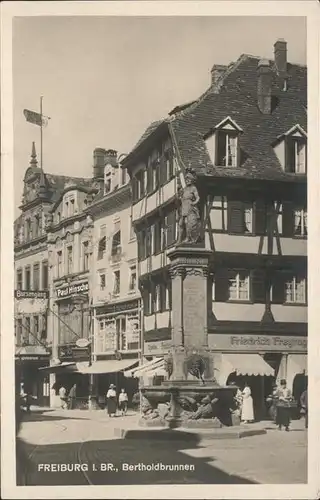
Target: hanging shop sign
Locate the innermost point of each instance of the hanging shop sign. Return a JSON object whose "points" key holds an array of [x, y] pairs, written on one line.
{"points": [[156, 347], [71, 352], [72, 290], [31, 294], [262, 343]]}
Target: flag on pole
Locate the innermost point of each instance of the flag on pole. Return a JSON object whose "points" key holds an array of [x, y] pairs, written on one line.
{"points": [[35, 118]]}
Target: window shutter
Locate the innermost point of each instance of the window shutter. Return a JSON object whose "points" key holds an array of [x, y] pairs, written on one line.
{"points": [[259, 286], [260, 217], [278, 283], [290, 155], [221, 285], [235, 217], [287, 219]]}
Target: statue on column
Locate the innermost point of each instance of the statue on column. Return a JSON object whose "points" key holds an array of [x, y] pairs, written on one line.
{"points": [[189, 215]]}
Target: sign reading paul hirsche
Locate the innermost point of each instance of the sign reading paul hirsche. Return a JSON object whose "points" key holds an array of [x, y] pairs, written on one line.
{"points": [[64, 292]]}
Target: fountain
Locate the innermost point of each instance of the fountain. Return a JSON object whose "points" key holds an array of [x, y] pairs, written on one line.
{"points": [[191, 397]]}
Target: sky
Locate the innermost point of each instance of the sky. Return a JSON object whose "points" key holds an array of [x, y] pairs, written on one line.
{"points": [[105, 79]]}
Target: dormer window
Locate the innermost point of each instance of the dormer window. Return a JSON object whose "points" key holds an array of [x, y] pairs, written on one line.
{"points": [[291, 150], [107, 178], [223, 144]]}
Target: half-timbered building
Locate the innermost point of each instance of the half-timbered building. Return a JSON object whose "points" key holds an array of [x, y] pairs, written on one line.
{"points": [[246, 139]]}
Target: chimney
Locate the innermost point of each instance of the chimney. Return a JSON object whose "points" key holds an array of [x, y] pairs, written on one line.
{"points": [[99, 162], [111, 157], [264, 86], [216, 72], [280, 56]]}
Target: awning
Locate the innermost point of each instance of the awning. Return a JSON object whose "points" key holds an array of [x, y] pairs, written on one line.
{"points": [[61, 367], [243, 364], [141, 370], [157, 370], [296, 364], [107, 366]]}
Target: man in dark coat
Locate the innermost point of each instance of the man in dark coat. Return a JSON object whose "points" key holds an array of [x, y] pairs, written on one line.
{"points": [[72, 397], [304, 406]]}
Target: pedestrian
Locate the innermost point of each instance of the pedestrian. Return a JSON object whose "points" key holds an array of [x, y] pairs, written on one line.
{"points": [[111, 400], [304, 406], [283, 398], [123, 402], [72, 397], [63, 397], [247, 405], [271, 401]]}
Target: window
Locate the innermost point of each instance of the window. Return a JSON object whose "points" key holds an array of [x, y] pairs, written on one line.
{"points": [[36, 326], [45, 281], [102, 281], [169, 164], [28, 228], [239, 285], [146, 294], [170, 229], [85, 256], [102, 245], [36, 276], [116, 283], [59, 264], [139, 185], [300, 222], [295, 289], [58, 217], [157, 231], [69, 259], [227, 148], [43, 327], [116, 244], [123, 175], [240, 217], [19, 279], [71, 206], [19, 331], [27, 332], [296, 155], [133, 279], [66, 212], [37, 225], [28, 278], [132, 233]]}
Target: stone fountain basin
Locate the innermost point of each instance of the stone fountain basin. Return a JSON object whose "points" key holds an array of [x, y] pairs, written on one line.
{"points": [[162, 393]]}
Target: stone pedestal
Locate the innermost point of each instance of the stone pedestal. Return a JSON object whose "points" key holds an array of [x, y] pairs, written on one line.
{"points": [[189, 272]]}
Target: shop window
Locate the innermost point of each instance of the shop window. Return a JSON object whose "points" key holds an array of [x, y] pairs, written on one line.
{"points": [[69, 259], [27, 332], [121, 332], [132, 332], [239, 285], [45, 282], [116, 283], [59, 264], [43, 327], [36, 326], [36, 276], [28, 278], [19, 279], [133, 279]]}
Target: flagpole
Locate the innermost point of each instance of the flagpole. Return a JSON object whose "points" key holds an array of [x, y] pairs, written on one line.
{"points": [[41, 143]]}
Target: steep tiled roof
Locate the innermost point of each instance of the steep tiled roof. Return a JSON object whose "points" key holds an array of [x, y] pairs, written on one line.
{"points": [[236, 96]]}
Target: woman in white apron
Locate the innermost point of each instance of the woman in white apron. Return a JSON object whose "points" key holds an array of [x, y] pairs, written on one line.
{"points": [[247, 405]]}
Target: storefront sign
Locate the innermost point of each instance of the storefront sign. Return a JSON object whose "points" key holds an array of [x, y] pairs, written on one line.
{"points": [[31, 358], [71, 352], [72, 290], [257, 343], [157, 347], [31, 294], [117, 308], [81, 354]]}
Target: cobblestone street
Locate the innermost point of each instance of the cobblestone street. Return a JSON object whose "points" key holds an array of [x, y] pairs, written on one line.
{"points": [[87, 438]]}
